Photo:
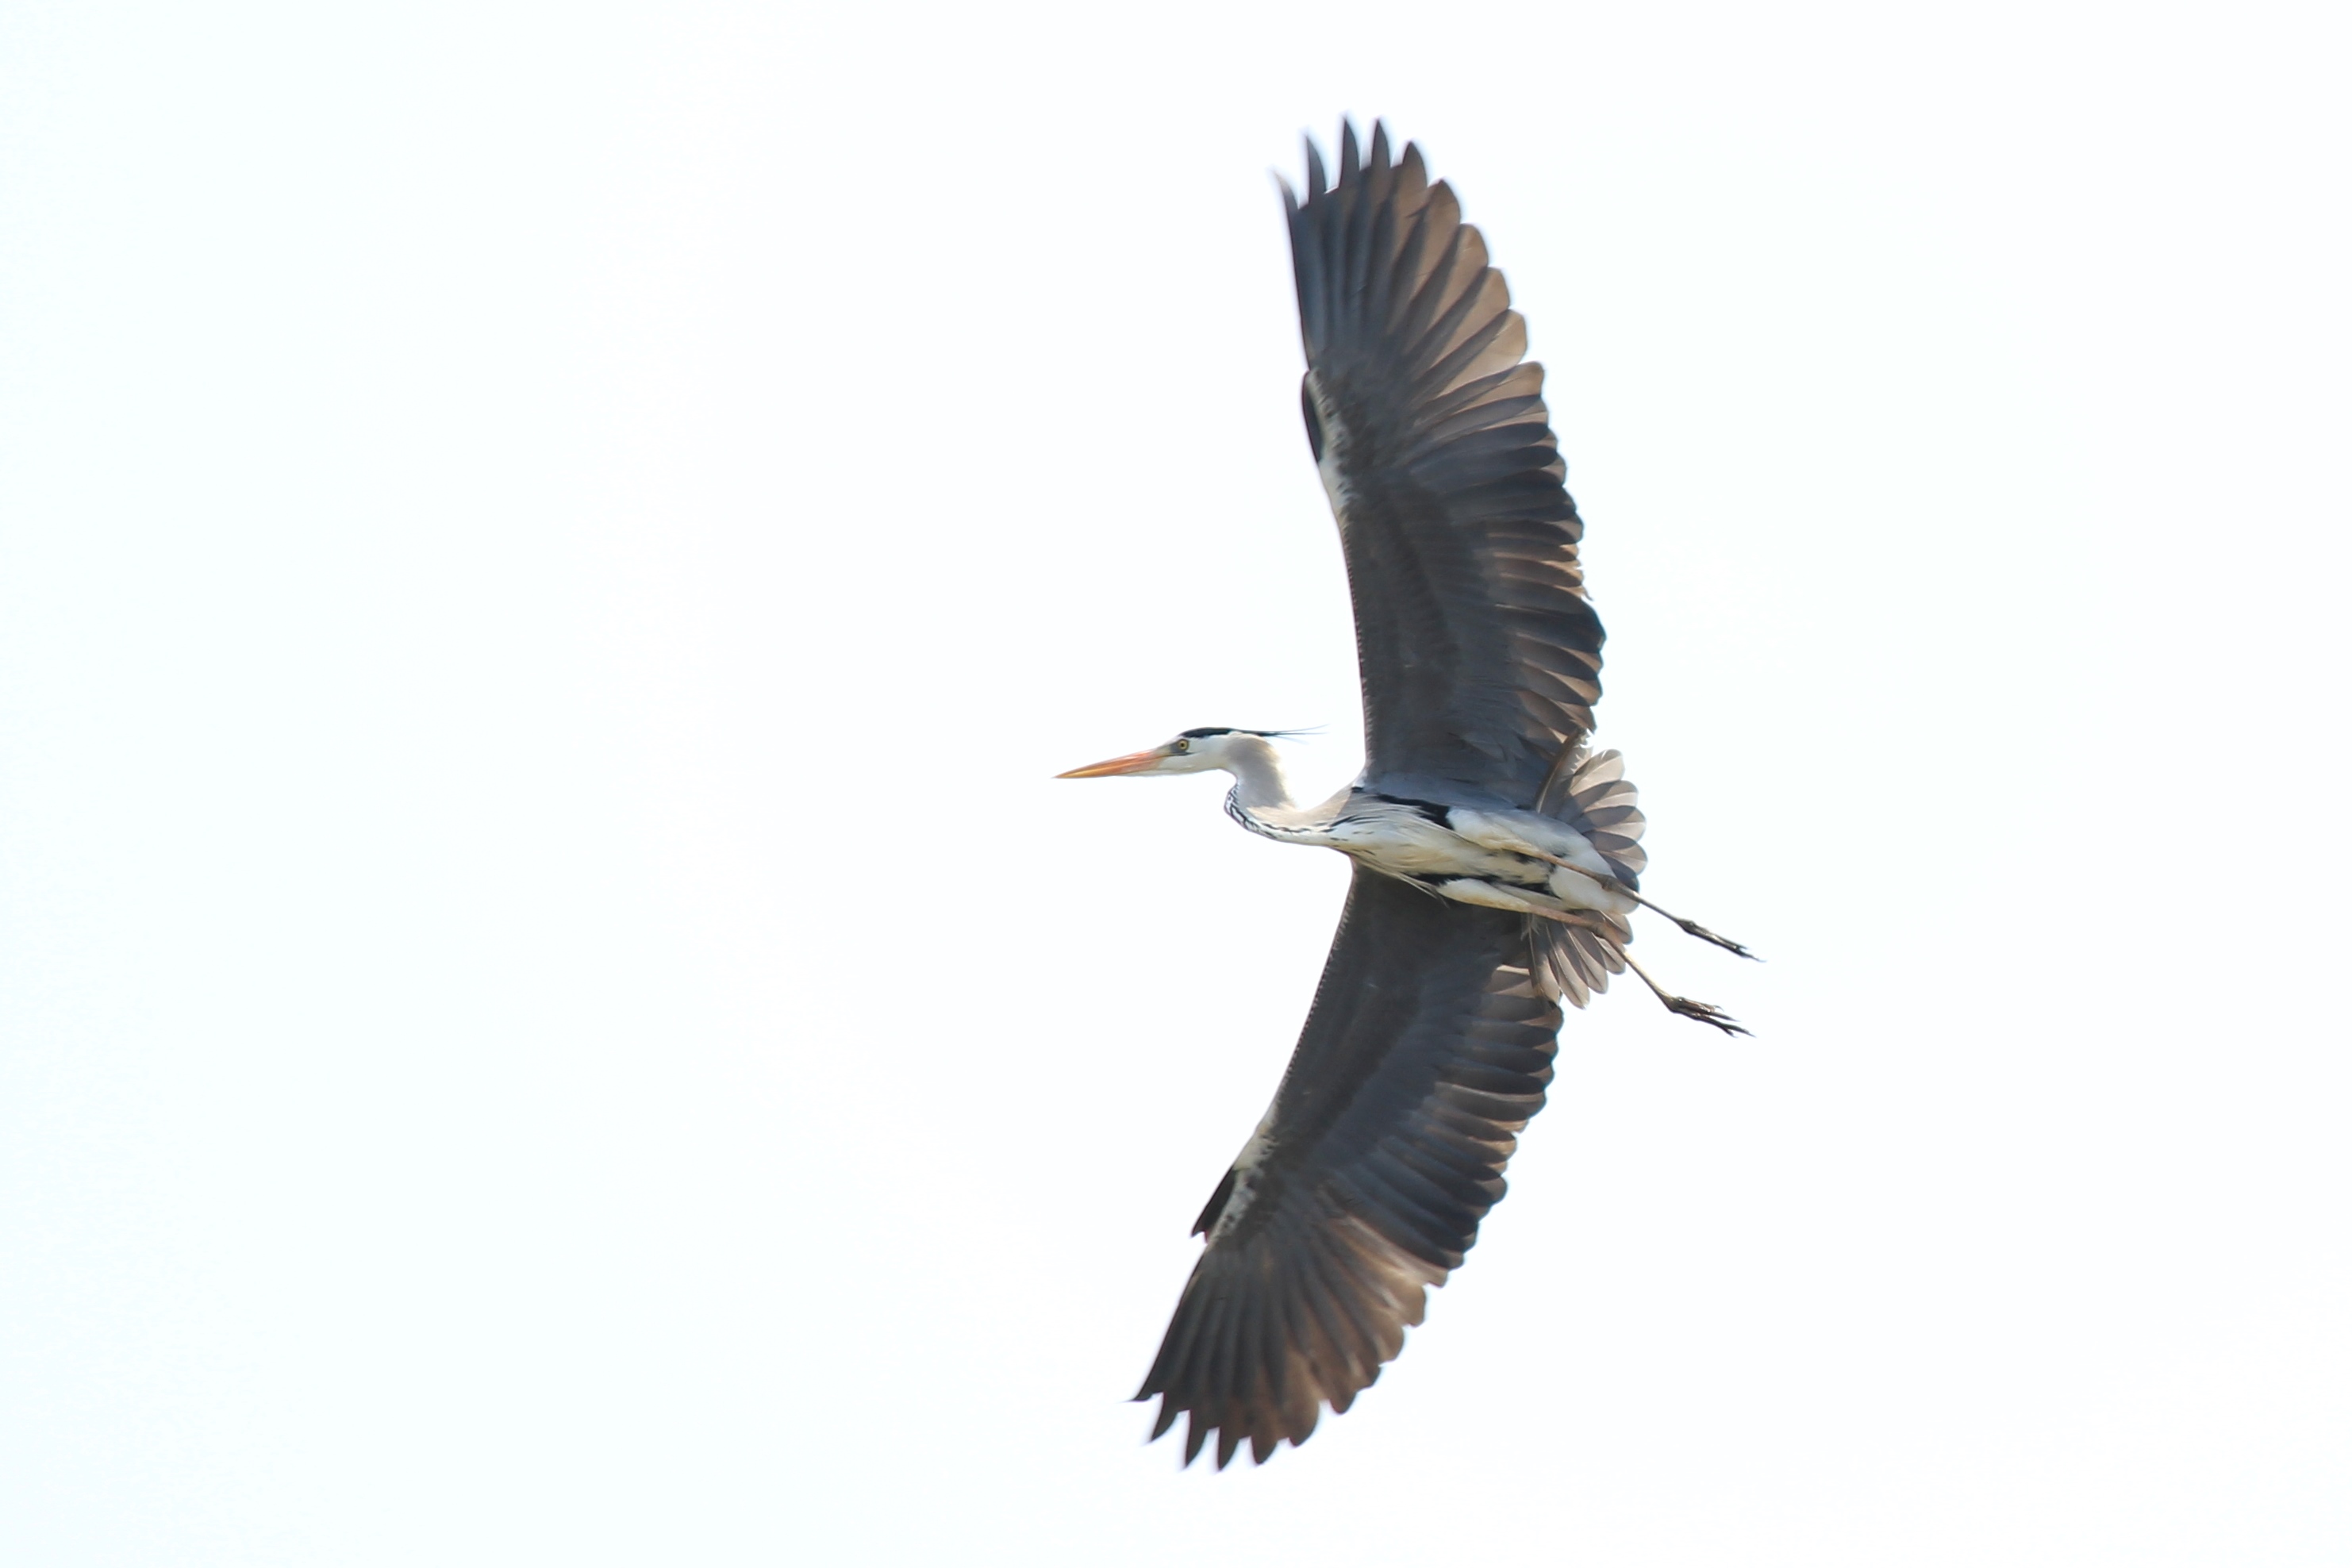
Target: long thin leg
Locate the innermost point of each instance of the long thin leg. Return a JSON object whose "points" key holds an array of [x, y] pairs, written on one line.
{"points": [[1705, 1012], [1692, 927], [1614, 886]]}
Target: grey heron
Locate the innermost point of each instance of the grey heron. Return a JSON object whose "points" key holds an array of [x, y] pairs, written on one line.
{"points": [[1496, 858]]}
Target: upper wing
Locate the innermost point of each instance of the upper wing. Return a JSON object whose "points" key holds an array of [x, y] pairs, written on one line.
{"points": [[1426, 1052], [1480, 657]]}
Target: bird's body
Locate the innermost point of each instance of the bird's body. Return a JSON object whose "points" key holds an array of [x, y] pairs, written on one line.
{"points": [[1498, 857], [1472, 854]]}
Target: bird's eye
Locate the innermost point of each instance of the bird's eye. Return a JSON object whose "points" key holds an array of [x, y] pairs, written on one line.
{"points": [[1183, 745]]}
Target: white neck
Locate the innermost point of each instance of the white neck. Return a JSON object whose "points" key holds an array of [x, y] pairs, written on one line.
{"points": [[1258, 784]]}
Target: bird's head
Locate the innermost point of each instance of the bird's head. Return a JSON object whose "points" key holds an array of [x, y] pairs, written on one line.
{"points": [[1193, 752]]}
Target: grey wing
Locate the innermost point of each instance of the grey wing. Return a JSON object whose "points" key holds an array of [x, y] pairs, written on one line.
{"points": [[1479, 655], [1427, 1050]]}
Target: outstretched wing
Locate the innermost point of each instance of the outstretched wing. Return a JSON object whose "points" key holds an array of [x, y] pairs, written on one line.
{"points": [[1480, 657], [1426, 1052]]}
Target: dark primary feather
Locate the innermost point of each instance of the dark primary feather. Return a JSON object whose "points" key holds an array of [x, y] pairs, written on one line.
{"points": [[1427, 1050], [1479, 655]]}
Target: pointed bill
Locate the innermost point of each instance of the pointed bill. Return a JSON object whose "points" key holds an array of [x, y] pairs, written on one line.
{"points": [[1133, 763]]}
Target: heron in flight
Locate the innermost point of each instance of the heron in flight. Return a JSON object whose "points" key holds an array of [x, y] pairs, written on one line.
{"points": [[1498, 857]]}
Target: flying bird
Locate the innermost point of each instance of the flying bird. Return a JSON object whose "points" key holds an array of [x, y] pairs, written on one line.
{"points": [[1497, 859]]}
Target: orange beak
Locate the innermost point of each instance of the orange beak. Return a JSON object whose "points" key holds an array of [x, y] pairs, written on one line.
{"points": [[1133, 763]]}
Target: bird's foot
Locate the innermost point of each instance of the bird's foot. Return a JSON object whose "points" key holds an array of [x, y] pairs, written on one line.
{"points": [[1705, 1012], [1725, 943]]}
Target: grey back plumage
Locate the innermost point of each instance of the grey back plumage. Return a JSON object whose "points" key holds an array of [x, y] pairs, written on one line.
{"points": [[1479, 654]]}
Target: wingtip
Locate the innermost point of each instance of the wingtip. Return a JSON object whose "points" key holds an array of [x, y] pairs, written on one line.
{"points": [[1411, 171], [1357, 159]]}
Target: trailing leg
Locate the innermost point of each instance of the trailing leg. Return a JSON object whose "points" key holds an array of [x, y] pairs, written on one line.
{"points": [[1613, 885], [1696, 929], [1590, 881], [1705, 1012]]}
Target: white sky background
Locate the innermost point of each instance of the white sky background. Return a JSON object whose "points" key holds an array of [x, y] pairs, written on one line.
{"points": [[552, 1012]]}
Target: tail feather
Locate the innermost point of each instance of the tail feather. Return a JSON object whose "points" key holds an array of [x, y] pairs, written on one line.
{"points": [[1592, 794], [1571, 964]]}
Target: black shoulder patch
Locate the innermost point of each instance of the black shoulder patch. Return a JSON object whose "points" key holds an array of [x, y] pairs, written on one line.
{"points": [[1217, 1201], [1430, 809]]}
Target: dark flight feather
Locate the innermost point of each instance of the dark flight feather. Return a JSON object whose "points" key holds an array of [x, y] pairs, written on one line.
{"points": [[1479, 654], [1427, 1050]]}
